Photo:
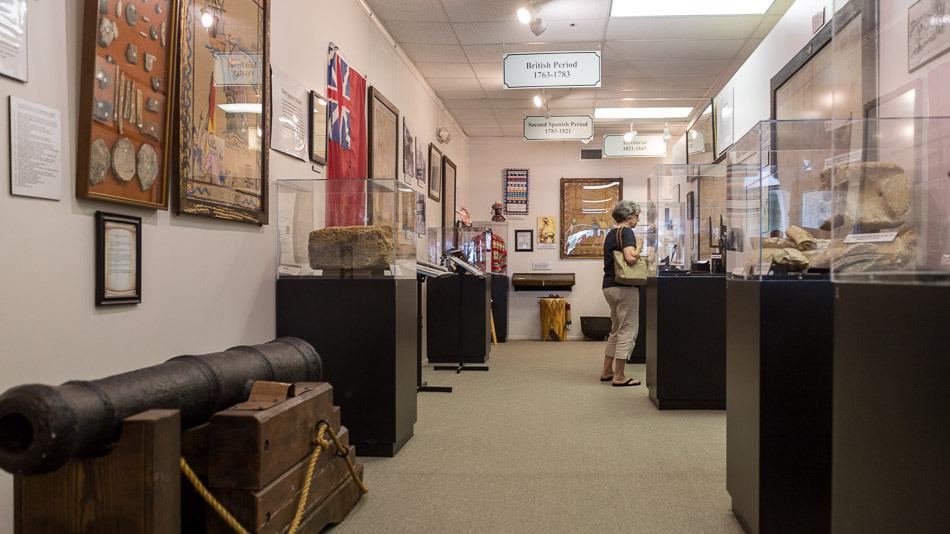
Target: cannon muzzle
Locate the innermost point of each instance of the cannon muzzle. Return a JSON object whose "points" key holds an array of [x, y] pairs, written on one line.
{"points": [[41, 427]]}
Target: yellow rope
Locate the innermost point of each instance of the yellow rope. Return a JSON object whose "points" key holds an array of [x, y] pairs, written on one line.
{"points": [[321, 444], [212, 502]]}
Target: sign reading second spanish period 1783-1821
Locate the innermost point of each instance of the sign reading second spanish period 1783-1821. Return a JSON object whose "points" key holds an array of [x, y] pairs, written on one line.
{"points": [[551, 69], [642, 146], [570, 127]]}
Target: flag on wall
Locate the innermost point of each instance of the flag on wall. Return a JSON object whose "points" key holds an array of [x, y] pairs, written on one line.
{"points": [[346, 146]]}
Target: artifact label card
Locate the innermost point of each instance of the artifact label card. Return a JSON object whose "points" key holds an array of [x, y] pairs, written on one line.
{"points": [[36, 152]]}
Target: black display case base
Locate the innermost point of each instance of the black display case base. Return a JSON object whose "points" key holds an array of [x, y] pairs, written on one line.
{"points": [[458, 330], [686, 342], [891, 439], [779, 339], [365, 331], [639, 353]]}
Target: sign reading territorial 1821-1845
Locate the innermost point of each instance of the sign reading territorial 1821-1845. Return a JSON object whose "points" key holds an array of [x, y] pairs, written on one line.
{"points": [[551, 69], [569, 127]]}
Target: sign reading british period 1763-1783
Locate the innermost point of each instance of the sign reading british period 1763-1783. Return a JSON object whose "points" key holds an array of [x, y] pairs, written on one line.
{"points": [[551, 69], [642, 146], [570, 127]]}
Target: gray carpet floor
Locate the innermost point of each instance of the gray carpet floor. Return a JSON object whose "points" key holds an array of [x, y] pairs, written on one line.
{"points": [[538, 444]]}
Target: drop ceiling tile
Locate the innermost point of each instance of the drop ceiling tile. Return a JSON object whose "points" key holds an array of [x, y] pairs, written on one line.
{"points": [[478, 123], [483, 132], [514, 115], [473, 33], [656, 83], [453, 84], [768, 22], [423, 53], [673, 67], [690, 27], [572, 104], [421, 32], [674, 49], [481, 10], [573, 31], [491, 84], [445, 70], [417, 10], [513, 131], [491, 53], [511, 103], [466, 104], [448, 94], [463, 114], [489, 70]]}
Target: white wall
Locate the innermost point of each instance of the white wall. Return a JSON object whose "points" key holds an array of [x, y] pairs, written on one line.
{"points": [[207, 284], [547, 163], [752, 82]]}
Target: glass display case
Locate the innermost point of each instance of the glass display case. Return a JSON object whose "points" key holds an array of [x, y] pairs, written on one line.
{"points": [[666, 246], [891, 220], [482, 245], [346, 228], [779, 199]]}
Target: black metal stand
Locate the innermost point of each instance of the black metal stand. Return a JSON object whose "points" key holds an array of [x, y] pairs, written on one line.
{"points": [[460, 367], [423, 387]]}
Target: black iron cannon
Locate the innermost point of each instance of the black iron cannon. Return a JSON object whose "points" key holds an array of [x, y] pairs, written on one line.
{"points": [[41, 427]]}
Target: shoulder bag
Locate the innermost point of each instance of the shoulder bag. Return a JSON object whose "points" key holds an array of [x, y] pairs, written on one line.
{"points": [[624, 273]]}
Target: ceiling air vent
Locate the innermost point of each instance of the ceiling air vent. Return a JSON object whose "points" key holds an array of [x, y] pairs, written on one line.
{"points": [[591, 153]]}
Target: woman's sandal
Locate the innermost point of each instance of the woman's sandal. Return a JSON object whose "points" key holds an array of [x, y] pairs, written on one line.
{"points": [[607, 379], [629, 382]]}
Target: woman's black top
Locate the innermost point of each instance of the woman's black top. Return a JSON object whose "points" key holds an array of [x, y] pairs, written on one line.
{"points": [[610, 245]]}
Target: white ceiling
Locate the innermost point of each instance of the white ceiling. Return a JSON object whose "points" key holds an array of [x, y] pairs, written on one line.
{"points": [[457, 45]]}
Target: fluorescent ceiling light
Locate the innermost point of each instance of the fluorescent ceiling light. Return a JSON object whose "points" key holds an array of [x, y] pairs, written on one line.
{"points": [[642, 113], [245, 107], [667, 8]]}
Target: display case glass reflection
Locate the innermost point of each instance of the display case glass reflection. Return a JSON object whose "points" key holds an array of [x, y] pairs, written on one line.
{"points": [[701, 138], [585, 214], [365, 230]]}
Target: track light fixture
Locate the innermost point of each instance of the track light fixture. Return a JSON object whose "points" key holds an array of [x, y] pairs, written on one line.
{"points": [[529, 15], [538, 101], [628, 137]]}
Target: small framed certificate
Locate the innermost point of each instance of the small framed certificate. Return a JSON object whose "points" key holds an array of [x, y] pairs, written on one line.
{"points": [[118, 259], [524, 240]]}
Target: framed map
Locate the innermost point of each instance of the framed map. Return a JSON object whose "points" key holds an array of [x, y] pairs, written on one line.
{"points": [[384, 137], [224, 108], [585, 215]]}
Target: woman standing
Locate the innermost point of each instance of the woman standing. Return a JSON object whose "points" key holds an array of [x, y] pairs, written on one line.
{"points": [[624, 301]]}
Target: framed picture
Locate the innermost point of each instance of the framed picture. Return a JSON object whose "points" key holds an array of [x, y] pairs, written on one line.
{"points": [[547, 231], [516, 191], [701, 138], [118, 259], [408, 153], [14, 61], [318, 128], [723, 112], [420, 164], [690, 205], [224, 109], [449, 173], [585, 215], [435, 173], [383, 137], [927, 35], [524, 240], [128, 68]]}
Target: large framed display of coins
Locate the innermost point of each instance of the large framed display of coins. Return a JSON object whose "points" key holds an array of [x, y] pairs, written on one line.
{"points": [[224, 109], [125, 150]]}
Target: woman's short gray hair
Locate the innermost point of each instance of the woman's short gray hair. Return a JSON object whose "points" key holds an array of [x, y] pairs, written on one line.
{"points": [[625, 209]]}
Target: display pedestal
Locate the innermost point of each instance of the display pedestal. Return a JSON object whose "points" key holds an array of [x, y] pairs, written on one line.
{"points": [[891, 409], [499, 305], [639, 354], [365, 332], [457, 319], [686, 345], [778, 399]]}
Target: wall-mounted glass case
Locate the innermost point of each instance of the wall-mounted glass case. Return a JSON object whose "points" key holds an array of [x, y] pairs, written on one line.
{"points": [[346, 228], [891, 222], [779, 199]]}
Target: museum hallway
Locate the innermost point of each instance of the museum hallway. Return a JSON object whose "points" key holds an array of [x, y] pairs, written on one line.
{"points": [[537, 444]]}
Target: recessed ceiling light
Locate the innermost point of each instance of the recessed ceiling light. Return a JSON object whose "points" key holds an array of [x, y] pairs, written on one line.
{"points": [[668, 8], [642, 113]]}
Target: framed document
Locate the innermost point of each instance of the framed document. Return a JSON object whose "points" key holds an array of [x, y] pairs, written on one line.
{"points": [[125, 148], [13, 40], [408, 153], [318, 128], [435, 173], [449, 172], [585, 215], [289, 134], [383, 137], [118, 259], [224, 109], [524, 240]]}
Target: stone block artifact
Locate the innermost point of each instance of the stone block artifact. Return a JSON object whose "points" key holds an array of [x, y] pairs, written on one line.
{"points": [[41, 426], [351, 248]]}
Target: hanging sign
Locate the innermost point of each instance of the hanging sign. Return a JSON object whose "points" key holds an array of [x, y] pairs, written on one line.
{"points": [[570, 127], [551, 69], [642, 146]]}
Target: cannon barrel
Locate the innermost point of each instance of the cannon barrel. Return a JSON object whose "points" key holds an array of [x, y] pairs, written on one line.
{"points": [[41, 427]]}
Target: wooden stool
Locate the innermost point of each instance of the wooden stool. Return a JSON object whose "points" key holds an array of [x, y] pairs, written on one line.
{"points": [[553, 318]]}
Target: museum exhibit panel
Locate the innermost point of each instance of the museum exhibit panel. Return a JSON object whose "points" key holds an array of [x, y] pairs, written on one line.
{"points": [[891, 252], [779, 302], [346, 254], [685, 303], [458, 305]]}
